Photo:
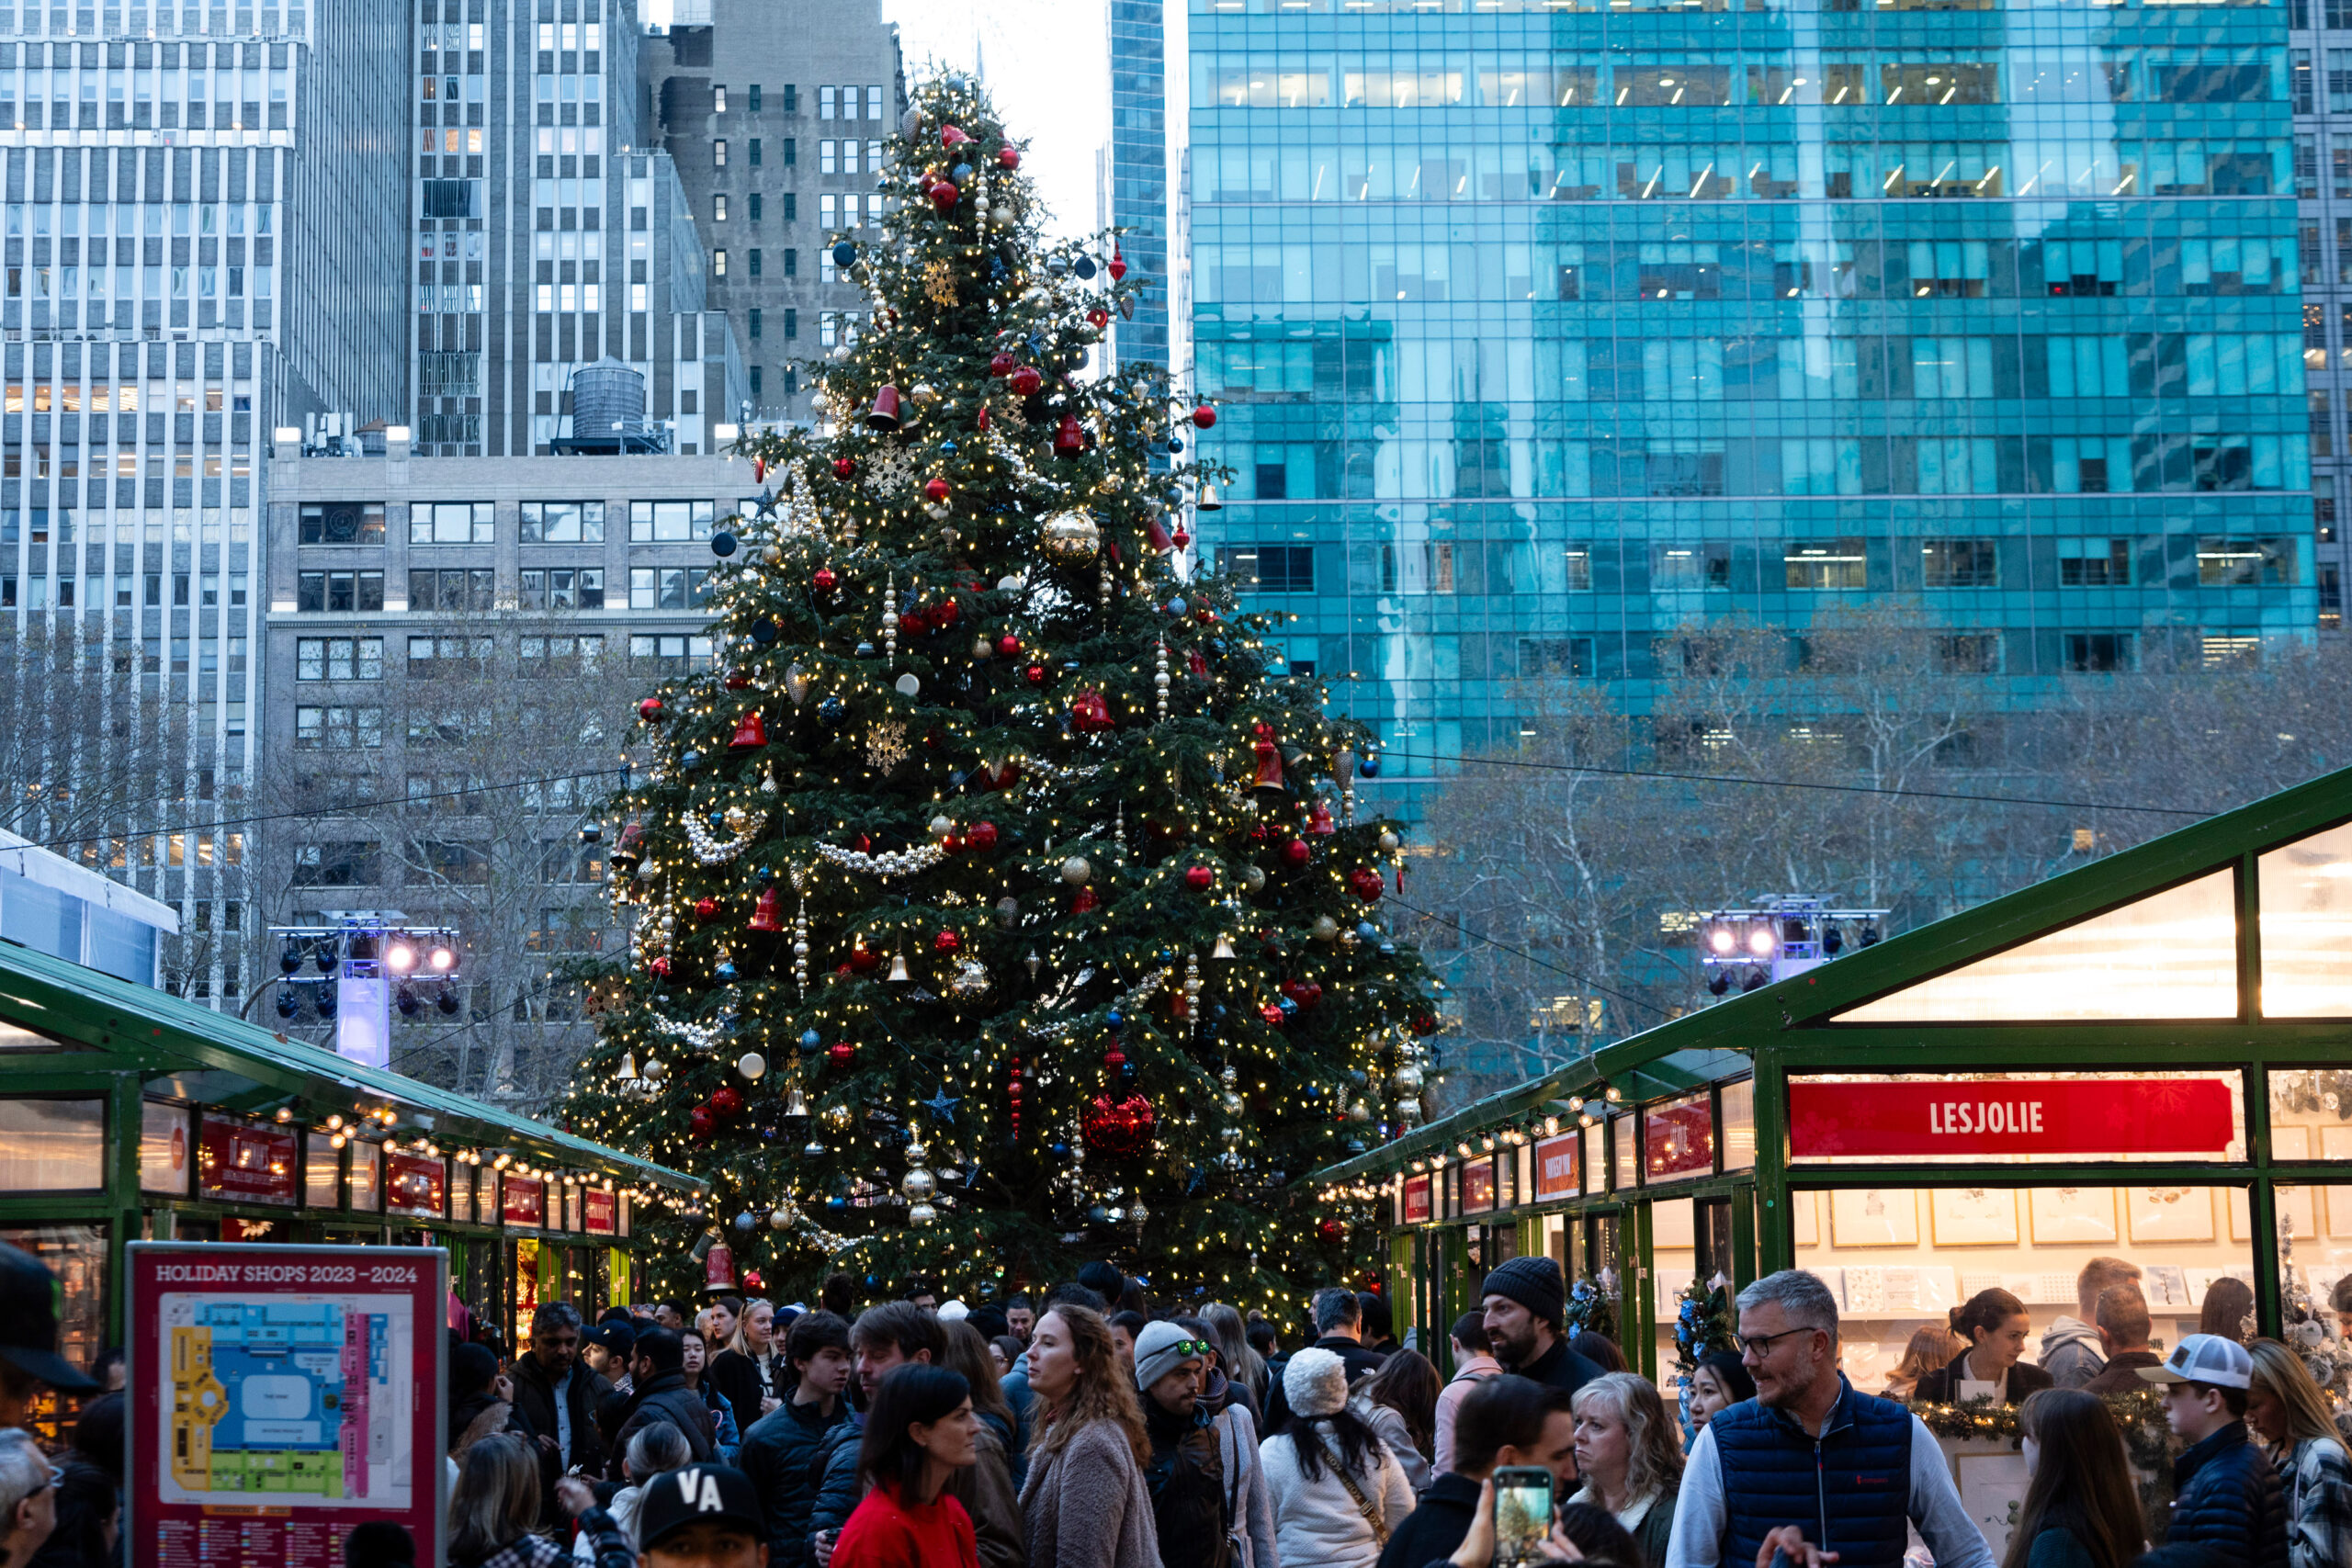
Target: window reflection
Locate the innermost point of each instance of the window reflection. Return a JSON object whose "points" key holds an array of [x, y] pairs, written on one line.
{"points": [[2306, 922]]}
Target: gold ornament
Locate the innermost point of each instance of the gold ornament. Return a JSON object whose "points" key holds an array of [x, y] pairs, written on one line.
{"points": [[1071, 536], [939, 284]]}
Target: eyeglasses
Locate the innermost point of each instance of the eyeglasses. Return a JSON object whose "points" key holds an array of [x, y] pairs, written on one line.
{"points": [[1760, 1345]]}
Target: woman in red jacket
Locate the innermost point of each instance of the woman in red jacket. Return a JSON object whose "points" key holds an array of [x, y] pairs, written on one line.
{"points": [[920, 1430]]}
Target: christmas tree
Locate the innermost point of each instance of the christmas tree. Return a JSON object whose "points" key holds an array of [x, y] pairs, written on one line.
{"points": [[995, 905]]}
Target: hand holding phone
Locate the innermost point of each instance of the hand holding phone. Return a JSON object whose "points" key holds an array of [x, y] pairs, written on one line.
{"points": [[1522, 1515]]}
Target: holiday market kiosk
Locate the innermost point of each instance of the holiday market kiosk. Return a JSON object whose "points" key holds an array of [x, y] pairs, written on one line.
{"points": [[129, 1114], [2147, 1058]]}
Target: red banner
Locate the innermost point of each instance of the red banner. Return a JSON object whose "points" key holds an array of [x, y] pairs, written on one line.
{"points": [[1416, 1199], [1478, 1187], [523, 1201], [1679, 1138], [279, 1396], [243, 1162], [1555, 1167], [414, 1184], [603, 1212], [2079, 1117]]}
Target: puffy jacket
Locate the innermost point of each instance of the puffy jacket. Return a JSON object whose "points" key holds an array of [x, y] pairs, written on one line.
{"points": [[1317, 1522], [667, 1398], [2225, 1496], [1850, 1487], [780, 1455], [1186, 1479], [835, 1467]]}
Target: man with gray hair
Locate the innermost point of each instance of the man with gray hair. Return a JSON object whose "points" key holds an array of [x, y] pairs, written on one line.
{"points": [[555, 1400], [1811, 1467], [27, 1497]]}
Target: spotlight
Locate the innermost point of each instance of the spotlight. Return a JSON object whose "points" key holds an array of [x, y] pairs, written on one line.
{"points": [[408, 1003], [441, 958], [1718, 982], [1870, 936], [323, 1002], [291, 959], [1752, 979], [286, 1004], [1720, 940], [323, 954], [447, 1002], [1759, 940], [1792, 930], [400, 957], [363, 946], [1832, 941]]}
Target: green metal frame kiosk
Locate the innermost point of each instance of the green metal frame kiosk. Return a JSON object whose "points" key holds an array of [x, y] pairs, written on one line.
{"points": [[2148, 1057], [127, 1114]]}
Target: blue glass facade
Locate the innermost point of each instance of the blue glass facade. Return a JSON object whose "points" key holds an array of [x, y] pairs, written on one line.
{"points": [[1139, 169], [1540, 329]]}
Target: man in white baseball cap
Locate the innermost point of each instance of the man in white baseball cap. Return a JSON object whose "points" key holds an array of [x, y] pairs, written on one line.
{"points": [[2225, 1495]]}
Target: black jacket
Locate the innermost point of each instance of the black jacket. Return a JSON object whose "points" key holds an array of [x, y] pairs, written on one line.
{"points": [[667, 1398], [1942, 1386], [780, 1454], [535, 1402], [2225, 1496], [1186, 1479], [1361, 1363], [1432, 1531], [837, 1489], [1559, 1367], [737, 1378]]}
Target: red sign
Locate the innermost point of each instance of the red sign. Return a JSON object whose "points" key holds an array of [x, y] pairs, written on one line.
{"points": [[1478, 1187], [523, 1201], [1555, 1167], [319, 1369], [1679, 1138], [1416, 1199], [2011, 1116], [246, 1162], [602, 1213], [416, 1185]]}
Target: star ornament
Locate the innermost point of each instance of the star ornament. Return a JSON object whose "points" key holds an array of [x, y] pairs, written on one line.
{"points": [[942, 1105]]}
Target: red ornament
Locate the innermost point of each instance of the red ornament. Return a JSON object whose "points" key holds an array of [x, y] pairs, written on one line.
{"points": [[1204, 612], [1365, 883], [1008, 645], [862, 957], [1318, 822], [1196, 662], [911, 623], [1008, 157], [738, 678], [946, 941], [1025, 381], [936, 488], [1199, 877], [729, 1103], [949, 136], [660, 968], [1424, 1023], [997, 776], [750, 735], [1037, 674], [1118, 264], [1114, 1058], [1330, 1230], [943, 194], [1068, 439], [943, 615], [767, 915], [1117, 1129], [759, 470], [983, 423], [1086, 903], [651, 711], [1270, 759], [1203, 416], [824, 579], [1272, 1013], [1098, 317], [980, 836], [705, 907], [754, 1281], [884, 414], [1089, 714], [1183, 538], [1305, 993], [840, 1050], [699, 1123], [1000, 364], [1156, 537], [843, 467], [1296, 851]]}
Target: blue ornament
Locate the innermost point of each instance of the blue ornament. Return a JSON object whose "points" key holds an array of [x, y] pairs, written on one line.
{"points": [[844, 253], [810, 1040], [963, 174], [722, 544], [1177, 606], [690, 760], [1290, 1009], [836, 1203], [1175, 443], [865, 651], [1368, 767], [745, 1220], [1366, 931], [830, 710], [716, 818], [724, 973], [1085, 267], [1114, 1019], [947, 449], [764, 632]]}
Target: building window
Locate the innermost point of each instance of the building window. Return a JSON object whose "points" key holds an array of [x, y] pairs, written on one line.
{"points": [[1970, 653], [450, 522], [563, 523], [669, 587], [339, 659], [718, 99], [755, 323], [668, 521], [1960, 563], [562, 588], [1837, 563], [429, 657], [2098, 653], [2094, 564], [755, 201], [791, 199], [874, 102], [1579, 576], [718, 264], [2245, 563], [338, 728], [791, 261], [791, 322], [755, 152], [671, 655], [755, 383], [719, 153], [828, 101], [1269, 568], [341, 863], [718, 208], [755, 262], [461, 588], [792, 97], [342, 522], [339, 593], [755, 104], [543, 657], [1555, 656]]}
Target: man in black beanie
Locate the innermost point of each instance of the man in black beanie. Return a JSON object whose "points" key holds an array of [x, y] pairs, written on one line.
{"points": [[1526, 1302]]}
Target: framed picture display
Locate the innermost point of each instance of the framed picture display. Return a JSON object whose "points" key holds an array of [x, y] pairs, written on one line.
{"points": [[2076, 1216], [2169, 1213], [1973, 1216], [2295, 1208], [1859, 1217], [1804, 1210], [2336, 1142]]}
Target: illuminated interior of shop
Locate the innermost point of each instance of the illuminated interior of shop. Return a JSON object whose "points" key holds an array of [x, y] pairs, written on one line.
{"points": [[2306, 924]]}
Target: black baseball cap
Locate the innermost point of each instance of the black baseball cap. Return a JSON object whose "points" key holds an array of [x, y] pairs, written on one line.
{"points": [[28, 1323], [716, 1494], [617, 1337]]}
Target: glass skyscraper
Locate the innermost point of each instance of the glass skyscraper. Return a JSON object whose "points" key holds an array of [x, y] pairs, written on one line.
{"points": [[1544, 328]]}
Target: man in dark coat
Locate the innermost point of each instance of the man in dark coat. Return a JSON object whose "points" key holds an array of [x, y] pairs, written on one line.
{"points": [[2225, 1495], [1186, 1474], [1338, 1328], [1527, 1302], [556, 1399], [781, 1452], [658, 1377]]}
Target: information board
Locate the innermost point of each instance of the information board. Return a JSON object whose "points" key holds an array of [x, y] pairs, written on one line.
{"points": [[279, 1396]]}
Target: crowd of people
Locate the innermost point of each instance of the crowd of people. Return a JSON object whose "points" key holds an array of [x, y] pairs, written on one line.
{"points": [[1082, 1428]]}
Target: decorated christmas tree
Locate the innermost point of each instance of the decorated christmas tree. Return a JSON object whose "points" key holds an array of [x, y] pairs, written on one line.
{"points": [[996, 905]]}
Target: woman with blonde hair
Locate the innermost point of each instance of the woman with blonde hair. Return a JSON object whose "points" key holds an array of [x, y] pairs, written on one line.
{"points": [[1629, 1453], [751, 1374], [1931, 1348], [1084, 1500], [2285, 1408], [494, 1511]]}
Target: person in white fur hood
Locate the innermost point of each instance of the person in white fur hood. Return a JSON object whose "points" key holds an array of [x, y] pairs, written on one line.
{"points": [[1338, 1493]]}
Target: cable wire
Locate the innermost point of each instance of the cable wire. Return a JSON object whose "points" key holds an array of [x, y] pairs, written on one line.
{"points": [[1583, 980]]}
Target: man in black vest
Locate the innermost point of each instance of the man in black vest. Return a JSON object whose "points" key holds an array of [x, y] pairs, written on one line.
{"points": [[1526, 1302], [1810, 1467]]}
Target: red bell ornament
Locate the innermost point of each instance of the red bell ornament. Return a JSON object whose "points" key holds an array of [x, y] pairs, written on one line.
{"points": [[1203, 416], [1318, 822], [1089, 714], [950, 136], [1199, 877], [884, 415], [750, 735], [1026, 380], [1117, 1129], [1365, 883], [1156, 537], [767, 915], [1068, 439], [1269, 780]]}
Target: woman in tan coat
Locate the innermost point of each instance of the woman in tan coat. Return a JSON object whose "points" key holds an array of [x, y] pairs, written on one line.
{"points": [[1084, 1502]]}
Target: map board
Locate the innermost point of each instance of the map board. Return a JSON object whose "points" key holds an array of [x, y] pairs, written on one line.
{"points": [[282, 1394]]}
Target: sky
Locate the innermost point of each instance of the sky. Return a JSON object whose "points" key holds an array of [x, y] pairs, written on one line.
{"points": [[1048, 68]]}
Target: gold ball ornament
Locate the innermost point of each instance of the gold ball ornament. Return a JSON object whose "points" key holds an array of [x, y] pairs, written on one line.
{"points": [[1071, 536]]}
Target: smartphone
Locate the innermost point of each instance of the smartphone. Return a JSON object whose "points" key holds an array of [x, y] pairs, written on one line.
{"points": [[1522, 1514]]}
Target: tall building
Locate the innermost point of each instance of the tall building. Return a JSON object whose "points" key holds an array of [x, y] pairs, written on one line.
{"points": [[1139, 170], [774, 113], [548, 234], [2317, 38], [1544, 328], [195, 254]]}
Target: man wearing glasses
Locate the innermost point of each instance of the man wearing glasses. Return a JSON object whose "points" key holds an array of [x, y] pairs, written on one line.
{"points": [[27, 1496], [1186, 1476], [1811, 1471]]}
